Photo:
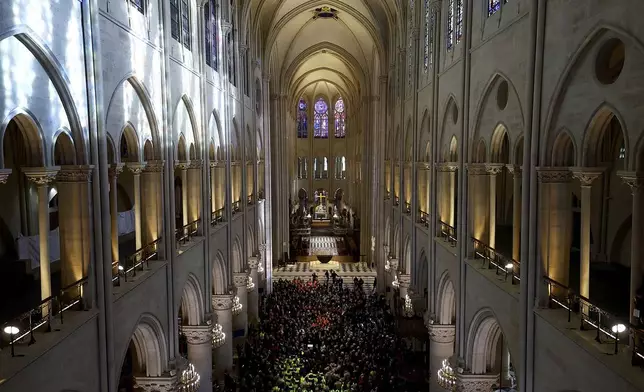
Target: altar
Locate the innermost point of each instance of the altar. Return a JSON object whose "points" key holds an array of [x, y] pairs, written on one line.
{"points": [[321, 212]]}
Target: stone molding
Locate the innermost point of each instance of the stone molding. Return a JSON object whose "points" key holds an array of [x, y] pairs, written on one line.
{"points": [[197, 334], [549, 175], [158, 384], [476, 169], [41, 175], [240, 279], [494, 168], [195, 164], [515, 170], [586, 175], [404, 281], [226, 27], [222, 302], [181, 165], [383, 78], [446, 167], [476, 382], [115, 170], [635, 180], [435, 5], [253, 262], [154, 166], [135, 167], [441, 333], [4, 175], [75, 173]]}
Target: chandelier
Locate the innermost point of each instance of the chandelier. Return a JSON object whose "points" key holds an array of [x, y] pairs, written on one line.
{"points": [[260, 267], [395, 283], [189, 381], [387, 265], [408, 309], [237, 307], [218, 336], [249, 284], [446, 376]]}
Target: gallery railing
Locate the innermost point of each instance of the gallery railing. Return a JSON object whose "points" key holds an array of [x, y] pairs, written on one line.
{"points": [[236, 207], [407, 208], [396, 200], [40, 317], [137, 261], [495, 260], [217, 217], [608, 327], [447, 233], [423, 218], [185, 233]]}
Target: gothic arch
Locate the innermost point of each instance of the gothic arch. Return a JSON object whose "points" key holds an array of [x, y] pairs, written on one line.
{"points": [[595, 131], [192, 302], [150, 347], [396, 244], [483, 338], [407, 256], [129, 139], [564, 151], [219, 274], [238, 263], [184, 118], [63, 148], [446, 304]]}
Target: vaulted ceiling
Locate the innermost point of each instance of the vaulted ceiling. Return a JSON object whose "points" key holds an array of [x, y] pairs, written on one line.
{"points": [[309, 54]]}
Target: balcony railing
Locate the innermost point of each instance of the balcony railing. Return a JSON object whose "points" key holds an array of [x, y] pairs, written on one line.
{"points": [[42, 315], [137, 261], [447, 233], [387, 195], [217, 217], [494, 260], [423, 218], [608, 327], [396, 200], [407, 208], [236, 207], [185, 233]]}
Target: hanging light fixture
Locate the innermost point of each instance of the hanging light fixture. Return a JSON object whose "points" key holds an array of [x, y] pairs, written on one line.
{"points": [[446, 377]]}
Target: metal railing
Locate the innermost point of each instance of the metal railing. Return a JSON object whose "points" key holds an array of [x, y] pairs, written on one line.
{"points": [[137, 261], [217, 217], [495, 260], [608, 327], [423, 218], [236, 207], [387, 195], [396, 200], [42, 315], [447, 233], [407, 208], [185, 233]]}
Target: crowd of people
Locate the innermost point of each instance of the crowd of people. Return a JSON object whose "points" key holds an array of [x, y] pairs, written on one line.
{"points": [[318, 336]]}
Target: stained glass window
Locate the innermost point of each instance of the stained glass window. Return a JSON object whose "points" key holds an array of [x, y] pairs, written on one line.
{"points": [[340, 117], [321, 119], [459, 20], [175, 22], [410, 44], [450, 24], [139, 5], [185, 24], [211, 34], [493, 6], [302, 120], [426, 38]]}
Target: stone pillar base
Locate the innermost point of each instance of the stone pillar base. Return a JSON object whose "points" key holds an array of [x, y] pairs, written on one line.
{"points": [[476, 382]]}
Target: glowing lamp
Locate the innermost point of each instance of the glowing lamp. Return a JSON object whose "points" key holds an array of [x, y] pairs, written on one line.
{"points": [[618, 328]]}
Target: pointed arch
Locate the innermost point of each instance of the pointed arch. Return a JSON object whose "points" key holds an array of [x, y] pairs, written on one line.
{"points": [[446, 304], [181, 153], [219, 274], [217, 138], [238, 262], [480, 152], [192, 302], [482, 340], [31, 133], [150, 345], [407, 256], [148, 150], [497, 146], [129, 144], [63, 148], [563, 150], [409, 142], [112, 156], [424, 147], [595, 131]]}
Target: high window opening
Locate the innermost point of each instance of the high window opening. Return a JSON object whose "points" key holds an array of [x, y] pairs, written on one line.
{"points": [[139, 5], [302, 168], [340, 168], [211, 34], [321, 168], [450, 25], [180, 22], [321, 119], [302, 120], [340, 117]]}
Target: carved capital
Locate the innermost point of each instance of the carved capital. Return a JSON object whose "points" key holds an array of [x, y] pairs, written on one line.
{"points": [[4, 175], [404, 281], [494, 168], [75, 173], [549, 175], [476, 382], [181, 165], [196, 164], [393, 263], [222, 302], [226, 27], [168, 383], [515, 170], [446, 167], [135, 167], [154, 166], [441, 333], [586, 175], [115, 170], [635, 180], [240, 279], [197, 334], [253, 262], [41, 176], [476, 169]]}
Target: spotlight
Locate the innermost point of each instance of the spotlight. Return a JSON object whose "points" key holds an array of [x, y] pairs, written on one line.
{"points": [[11, 331]]}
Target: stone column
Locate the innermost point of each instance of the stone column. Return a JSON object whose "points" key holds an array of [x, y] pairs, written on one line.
{"points": [[253, 310], [555, 217], [478, 200], [151, 182], [137, 169], [586, 176], [222, 305], [165, 383], [183, 167], [404, 282], [441, 346], [200, 352], [114, 172], [635, 180], [194, 178], [213, 188], [515, 170], [240, 321], [42, 177], [493, 169], [73, 215]]}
